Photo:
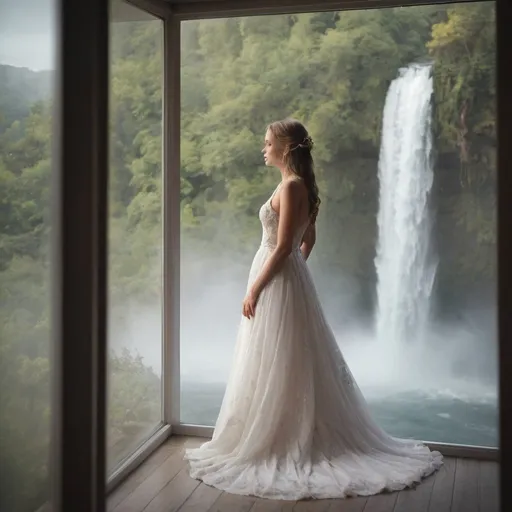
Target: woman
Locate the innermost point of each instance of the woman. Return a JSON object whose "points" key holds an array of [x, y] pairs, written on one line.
{"points": [[293, 423]]}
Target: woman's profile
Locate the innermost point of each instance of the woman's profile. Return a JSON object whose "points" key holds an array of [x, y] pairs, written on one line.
{"points": [[293, 422]]}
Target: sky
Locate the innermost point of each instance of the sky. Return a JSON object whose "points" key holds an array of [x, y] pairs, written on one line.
{"points": [[27, 30], [27, 33]]}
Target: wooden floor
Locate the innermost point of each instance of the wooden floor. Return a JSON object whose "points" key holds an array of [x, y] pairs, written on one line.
{"points": [[162, 484]]}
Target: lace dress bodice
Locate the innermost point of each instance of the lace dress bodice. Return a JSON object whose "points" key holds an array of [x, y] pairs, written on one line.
{"points": [[270, 221]]}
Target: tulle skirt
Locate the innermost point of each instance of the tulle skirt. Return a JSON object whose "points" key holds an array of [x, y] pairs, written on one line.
{"points": [[293, 423]]}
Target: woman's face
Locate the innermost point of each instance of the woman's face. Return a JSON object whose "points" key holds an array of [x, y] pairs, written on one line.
{"points": [[272, 154]]}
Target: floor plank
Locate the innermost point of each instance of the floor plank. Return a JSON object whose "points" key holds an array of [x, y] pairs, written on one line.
{"points": [[417, 498], [142, 472], [356, 504], [151, 486], [193, 441], [232, 503], [465, 488], [381, 502], [163, 484], [174, 494], [442, 491], [314, 505], [201, 499], [489, 488], [261, 505]]}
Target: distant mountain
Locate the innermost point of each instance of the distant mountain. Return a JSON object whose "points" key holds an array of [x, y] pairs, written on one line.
{"points": [[19, 89]]}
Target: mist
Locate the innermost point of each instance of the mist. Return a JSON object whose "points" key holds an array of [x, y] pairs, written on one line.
{"points": [[456, 358]]}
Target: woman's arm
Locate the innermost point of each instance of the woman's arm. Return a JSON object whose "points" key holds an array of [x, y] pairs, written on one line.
{"points": [[308, 241], [288, 213]]}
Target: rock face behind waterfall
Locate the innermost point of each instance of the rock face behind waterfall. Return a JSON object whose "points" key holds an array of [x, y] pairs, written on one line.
{"points": [[404, 263]]}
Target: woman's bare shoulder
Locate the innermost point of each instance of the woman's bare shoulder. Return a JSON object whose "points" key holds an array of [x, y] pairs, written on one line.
{"points": [[295, 187]]}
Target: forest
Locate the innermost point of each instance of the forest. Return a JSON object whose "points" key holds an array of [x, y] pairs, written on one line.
{"points": [[330, 70]]}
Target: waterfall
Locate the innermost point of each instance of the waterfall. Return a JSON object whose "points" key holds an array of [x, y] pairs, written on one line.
{"points": [[405, 270]]}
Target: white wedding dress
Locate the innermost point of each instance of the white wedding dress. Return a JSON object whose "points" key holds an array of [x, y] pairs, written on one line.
{"points": [[293, 423]]}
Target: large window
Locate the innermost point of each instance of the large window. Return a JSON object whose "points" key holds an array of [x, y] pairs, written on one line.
{"points": [[401, 106], [135, 242], [135, 230], [27, 47]]}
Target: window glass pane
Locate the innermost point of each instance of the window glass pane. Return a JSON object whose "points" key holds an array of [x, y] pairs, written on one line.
{"points": [[135, 230], [401, 106], [27, 73]]}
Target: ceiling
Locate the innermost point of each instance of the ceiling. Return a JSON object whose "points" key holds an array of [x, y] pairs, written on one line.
{"points": [[123, 11], [189, 9]]}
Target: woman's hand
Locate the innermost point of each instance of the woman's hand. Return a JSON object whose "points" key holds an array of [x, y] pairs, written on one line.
{"points": [[249, 304]]}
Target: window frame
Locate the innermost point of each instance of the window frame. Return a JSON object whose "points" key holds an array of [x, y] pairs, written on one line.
{"points": [[169, 393], [184, 11], [79, 257]]}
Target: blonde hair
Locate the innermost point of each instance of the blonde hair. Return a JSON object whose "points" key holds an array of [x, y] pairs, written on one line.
{"points": [[297, 145]]}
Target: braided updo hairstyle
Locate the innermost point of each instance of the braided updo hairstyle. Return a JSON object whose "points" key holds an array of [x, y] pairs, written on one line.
{"points": [[297, 145]]}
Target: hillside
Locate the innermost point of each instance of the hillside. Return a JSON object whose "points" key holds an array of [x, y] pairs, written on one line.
{"points": [[19, 89]]}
